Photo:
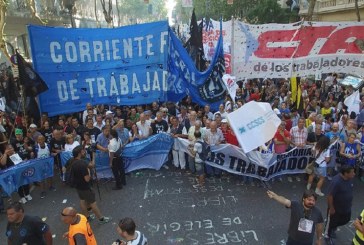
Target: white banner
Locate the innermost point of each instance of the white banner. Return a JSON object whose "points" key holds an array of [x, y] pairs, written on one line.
{"points": [[353, 102], [254, 124], [231, 85], [299, 49], [2, 103], [232, 159], [210, 37]]}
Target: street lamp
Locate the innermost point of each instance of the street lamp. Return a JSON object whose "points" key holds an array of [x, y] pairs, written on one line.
{"points": [[69, 5]]}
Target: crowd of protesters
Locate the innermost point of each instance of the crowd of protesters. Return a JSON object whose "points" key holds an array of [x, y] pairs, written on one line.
{"points": [[320, 119]]}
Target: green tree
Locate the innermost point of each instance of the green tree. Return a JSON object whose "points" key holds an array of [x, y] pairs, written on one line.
{"points": [[137, 11], [253, 11], [269, 11]]}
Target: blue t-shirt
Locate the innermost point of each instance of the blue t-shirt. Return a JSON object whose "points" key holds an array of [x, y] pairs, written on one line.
{"points": [[351, 149], [342, 192]]}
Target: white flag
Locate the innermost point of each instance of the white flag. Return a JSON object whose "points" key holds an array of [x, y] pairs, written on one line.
{"points": [[254, 124], [353, 102], [2, 103], [231, 85]]}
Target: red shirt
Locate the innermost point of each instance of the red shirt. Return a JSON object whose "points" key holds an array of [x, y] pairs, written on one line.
{"points": [[288, 124], [281, 148], [231, 138], [255, 96]]}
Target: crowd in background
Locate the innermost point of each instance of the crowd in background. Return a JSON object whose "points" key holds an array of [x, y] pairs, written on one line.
{"points": [[321, 113]]}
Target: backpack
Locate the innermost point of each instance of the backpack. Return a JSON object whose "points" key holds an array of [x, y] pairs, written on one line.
{"points": [[206, 151], [69, 177]]}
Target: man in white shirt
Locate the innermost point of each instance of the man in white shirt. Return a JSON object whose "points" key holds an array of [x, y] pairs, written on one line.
{"points": [[144, 127], [84, 114], [99, 122], [177, 130]]}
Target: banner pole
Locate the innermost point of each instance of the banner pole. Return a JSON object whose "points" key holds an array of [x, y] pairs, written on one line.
{"points": [[232, 60]]}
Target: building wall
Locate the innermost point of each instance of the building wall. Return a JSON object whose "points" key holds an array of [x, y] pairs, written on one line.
{"points": [[334, 10], [343, 15]]}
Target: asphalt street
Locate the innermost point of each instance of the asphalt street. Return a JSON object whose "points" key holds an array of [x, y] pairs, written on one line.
{"points": [[169, 210]]}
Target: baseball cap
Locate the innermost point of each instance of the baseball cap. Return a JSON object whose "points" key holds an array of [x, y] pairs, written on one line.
{"points": [[109, 113], [33, 125], [224, 121], [18, 131]]}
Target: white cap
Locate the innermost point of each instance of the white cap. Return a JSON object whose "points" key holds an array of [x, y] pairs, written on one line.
{"points": [[224, 120], [276, 111], [33, 125], [108, 113]]}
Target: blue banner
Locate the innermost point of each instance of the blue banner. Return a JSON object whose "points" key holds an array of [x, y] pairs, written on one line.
{"points": [[150, 153], [183, 77], [25, 173], [125, 65]]}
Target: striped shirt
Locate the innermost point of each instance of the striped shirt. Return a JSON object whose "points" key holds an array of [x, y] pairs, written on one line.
{"points": [[298, 136]]}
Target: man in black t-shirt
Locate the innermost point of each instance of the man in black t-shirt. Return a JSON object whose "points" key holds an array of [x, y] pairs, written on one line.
{"points": [[81, 177], [25, 229], [93, 131], [24, 150], [57, 146], [306, 219], [159, 125], [340, 200]]}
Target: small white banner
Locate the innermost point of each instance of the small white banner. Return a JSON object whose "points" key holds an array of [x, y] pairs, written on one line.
{"points": [[254, 124], [230, 84], [353, 102]]}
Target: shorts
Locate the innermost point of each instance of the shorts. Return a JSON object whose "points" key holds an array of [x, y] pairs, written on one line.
{"points": [[320, 171], [87, 195], [199, 168]]}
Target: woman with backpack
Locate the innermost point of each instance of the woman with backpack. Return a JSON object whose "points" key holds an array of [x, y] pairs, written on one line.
{"points": [[321, 152]]}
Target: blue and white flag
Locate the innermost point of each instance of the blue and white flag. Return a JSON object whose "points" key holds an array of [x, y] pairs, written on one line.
{"points": [[183, 77], [25, 173], [125, 65]]}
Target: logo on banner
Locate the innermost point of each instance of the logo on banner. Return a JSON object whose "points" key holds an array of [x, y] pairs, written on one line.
{"points": [[29, 172], [213, 90]]}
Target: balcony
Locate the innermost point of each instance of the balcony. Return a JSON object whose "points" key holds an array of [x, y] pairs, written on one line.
{"points": [[324, 7]]}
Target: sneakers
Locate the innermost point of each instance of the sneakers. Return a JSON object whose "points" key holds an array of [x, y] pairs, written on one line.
{"points": [[23, 200], [298, 179], [104, 220], [91, 217], [318, 192], [289, 178], [42, 194], [165, 166], [29, 197], [308, 186]]}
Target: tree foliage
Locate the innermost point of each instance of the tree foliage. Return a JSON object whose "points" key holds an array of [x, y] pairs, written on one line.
{"points": [[137, 11], [268, 11], [253, 11]]}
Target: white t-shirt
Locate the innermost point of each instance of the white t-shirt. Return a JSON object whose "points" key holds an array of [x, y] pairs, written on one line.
{"points": [[140, 240], [198, 149], [320, 160], [114, 145], [68, 147]]}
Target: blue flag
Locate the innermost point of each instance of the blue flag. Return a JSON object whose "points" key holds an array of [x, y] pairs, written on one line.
{"points": [[125, 65], [204, 87]]}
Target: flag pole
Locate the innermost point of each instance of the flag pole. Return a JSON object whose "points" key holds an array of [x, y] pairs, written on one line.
{"points": [[23, 103]]}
